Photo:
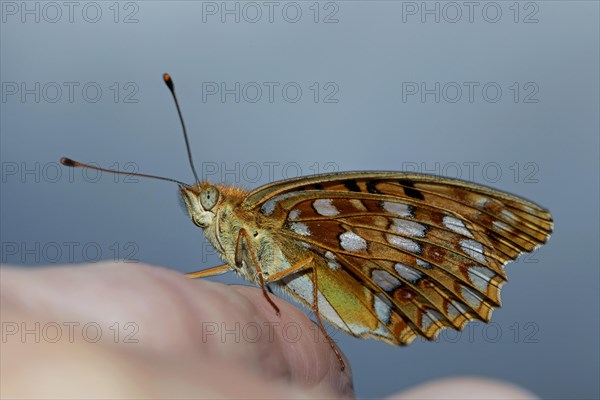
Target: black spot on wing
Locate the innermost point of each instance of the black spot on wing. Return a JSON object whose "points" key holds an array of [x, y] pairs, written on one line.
{"points": [[410, 190], [372, 187], [352, 186]]}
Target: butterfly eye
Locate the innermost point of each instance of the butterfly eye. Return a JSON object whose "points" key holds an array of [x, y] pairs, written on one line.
{"points": [[209, 197]]}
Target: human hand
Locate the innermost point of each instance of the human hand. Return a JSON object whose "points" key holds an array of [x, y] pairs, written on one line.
{"points": [[182, 350], [185, 339]]}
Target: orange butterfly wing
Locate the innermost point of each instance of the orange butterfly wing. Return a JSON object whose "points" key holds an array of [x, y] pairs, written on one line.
{"points": [[401, 255]]}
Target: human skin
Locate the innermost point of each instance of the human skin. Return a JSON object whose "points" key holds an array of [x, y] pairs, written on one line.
{"points": [[187, 339]]}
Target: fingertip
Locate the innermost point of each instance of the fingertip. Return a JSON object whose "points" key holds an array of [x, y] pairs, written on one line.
{"points": [[465, 388], [310, 358]]}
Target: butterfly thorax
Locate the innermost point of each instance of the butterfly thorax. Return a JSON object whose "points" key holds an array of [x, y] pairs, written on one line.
{"points": [[219, 212]]}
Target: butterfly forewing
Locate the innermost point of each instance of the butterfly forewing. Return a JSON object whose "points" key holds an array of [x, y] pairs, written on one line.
{"points": [[412, 253]]}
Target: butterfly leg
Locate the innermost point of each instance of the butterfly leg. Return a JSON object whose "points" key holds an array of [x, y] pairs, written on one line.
{"points": [[221, 269], [239, 253], [299, 266]]}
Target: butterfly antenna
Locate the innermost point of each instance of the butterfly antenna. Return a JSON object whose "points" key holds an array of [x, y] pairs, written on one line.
{"points": [[74, 164], [171, 86]]}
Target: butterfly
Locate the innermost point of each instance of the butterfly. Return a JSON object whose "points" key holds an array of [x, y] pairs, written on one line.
{"points": [[385, 255]]}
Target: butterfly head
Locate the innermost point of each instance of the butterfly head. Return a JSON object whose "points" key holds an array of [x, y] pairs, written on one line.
{"points": [[201, 201]]}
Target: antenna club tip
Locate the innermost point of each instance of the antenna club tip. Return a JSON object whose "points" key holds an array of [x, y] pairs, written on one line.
{"points": [[68, 162], [168, 81]]}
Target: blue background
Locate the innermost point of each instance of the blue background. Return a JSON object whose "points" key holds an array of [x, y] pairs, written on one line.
{"points": [[542, 144]]}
